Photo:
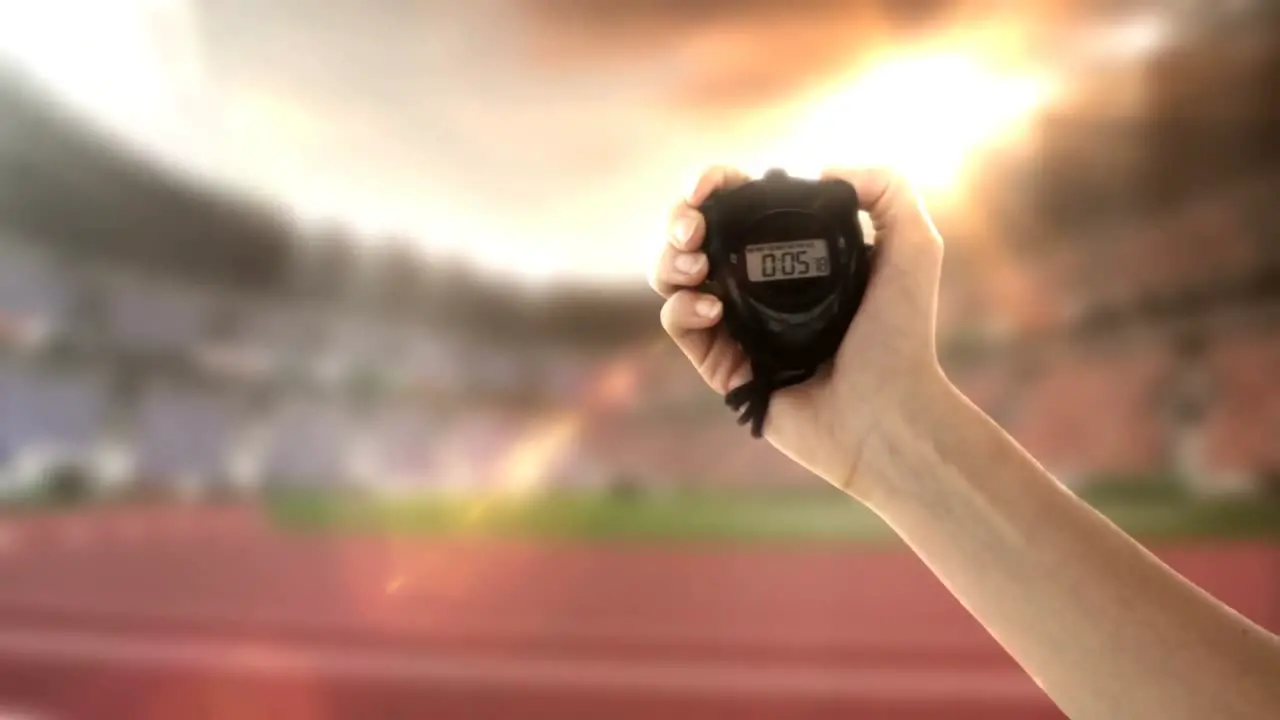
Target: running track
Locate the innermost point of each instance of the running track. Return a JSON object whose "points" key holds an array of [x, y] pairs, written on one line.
{"points": [[191, 613]]}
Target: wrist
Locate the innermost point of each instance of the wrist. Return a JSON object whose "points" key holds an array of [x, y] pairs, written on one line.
{"points": [[903, 437]]}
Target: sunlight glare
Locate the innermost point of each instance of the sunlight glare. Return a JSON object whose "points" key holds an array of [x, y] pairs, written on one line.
{"points": [[926, 116]]}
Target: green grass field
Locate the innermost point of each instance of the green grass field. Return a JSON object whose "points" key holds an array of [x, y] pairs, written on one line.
{"points": [[812, 517]]}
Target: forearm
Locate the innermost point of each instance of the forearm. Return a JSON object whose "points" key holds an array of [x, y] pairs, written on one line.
{"points": [[1105, 628]]}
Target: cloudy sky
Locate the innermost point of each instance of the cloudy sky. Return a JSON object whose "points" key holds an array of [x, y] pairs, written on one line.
{"points": [[546, 137]]}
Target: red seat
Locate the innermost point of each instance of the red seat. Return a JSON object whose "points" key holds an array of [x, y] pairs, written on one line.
{"points": [[1096, 413], [1242, 430]]}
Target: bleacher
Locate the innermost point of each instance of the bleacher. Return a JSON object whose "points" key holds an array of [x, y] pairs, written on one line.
{"points": [[144, 314], [31, 290], [1096, 412], [184, 434], [49, 416], [310, 442], [1242, 429], [428, 374], [400, 446]]}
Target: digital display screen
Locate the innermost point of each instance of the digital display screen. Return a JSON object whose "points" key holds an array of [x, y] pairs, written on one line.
{"points": [[793, 260]]}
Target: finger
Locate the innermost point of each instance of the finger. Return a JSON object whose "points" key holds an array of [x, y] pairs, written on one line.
{"points": [[676, 270], [716, 177], [726, 366], [690, 319], [678, 264], [687, 316], [686, 231], [687, 228], [689, 312]]}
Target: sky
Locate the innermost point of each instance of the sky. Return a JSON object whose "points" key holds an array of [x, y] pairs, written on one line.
{"points": [[543, 138]]}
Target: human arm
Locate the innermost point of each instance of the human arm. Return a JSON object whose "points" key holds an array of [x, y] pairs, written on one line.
{"points": [[1101, 624], [1105, 628]]}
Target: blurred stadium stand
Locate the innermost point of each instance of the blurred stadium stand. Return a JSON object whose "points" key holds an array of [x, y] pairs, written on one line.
{"points": [[310, 442], [1119, 314], [50, 418], [186, 433]]}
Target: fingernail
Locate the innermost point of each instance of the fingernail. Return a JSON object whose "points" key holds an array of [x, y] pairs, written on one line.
{"points": [[690, 263], [691, 188], [708, 307], [682, 229]]}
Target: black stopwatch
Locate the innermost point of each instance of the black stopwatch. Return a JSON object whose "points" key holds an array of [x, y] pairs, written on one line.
{"points": [[788, 259]]}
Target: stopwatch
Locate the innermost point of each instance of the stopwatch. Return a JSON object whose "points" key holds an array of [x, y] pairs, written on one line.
{"points": [[788, 260]]}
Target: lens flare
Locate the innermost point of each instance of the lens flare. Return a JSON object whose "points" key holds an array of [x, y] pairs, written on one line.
{"points": [[925, 113], [528, 463]]}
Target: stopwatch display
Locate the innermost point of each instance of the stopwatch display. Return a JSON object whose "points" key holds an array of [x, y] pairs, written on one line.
{"points": [[791, 260]]}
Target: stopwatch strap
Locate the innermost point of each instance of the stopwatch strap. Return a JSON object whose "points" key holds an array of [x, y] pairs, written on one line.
{"points": [[751, 399]]}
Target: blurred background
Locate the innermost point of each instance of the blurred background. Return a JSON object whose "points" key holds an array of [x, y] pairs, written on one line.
{"points": [[378, 268]]}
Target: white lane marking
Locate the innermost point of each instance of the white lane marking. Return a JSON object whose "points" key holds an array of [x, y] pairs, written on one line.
{"points": [[447, 625], [14, 714], [715, 679]]}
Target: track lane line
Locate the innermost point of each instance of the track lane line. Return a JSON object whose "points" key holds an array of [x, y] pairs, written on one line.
{"points": [[715, 679], [450, 626]]}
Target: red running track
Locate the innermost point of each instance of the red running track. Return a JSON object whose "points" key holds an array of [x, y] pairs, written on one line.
{"points": [[164, 613]]}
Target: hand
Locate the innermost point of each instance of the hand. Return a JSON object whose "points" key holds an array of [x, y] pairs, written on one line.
{"points": [[887, 362]]}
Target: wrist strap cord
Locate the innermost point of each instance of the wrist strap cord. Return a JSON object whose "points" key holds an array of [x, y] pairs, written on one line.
{"points": [[751, 399]]}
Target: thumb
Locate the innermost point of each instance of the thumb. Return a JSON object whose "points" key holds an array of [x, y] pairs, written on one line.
{"points": [[904, 230]]}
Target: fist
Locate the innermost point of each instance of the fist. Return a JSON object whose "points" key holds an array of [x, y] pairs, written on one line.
{"points": [[887, 361]]}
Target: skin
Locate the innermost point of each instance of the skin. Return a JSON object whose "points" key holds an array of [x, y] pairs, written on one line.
{"points": [[1105, 628]]}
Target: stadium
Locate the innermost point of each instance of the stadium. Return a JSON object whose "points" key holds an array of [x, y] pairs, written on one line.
{"points": [[311, 455]]}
